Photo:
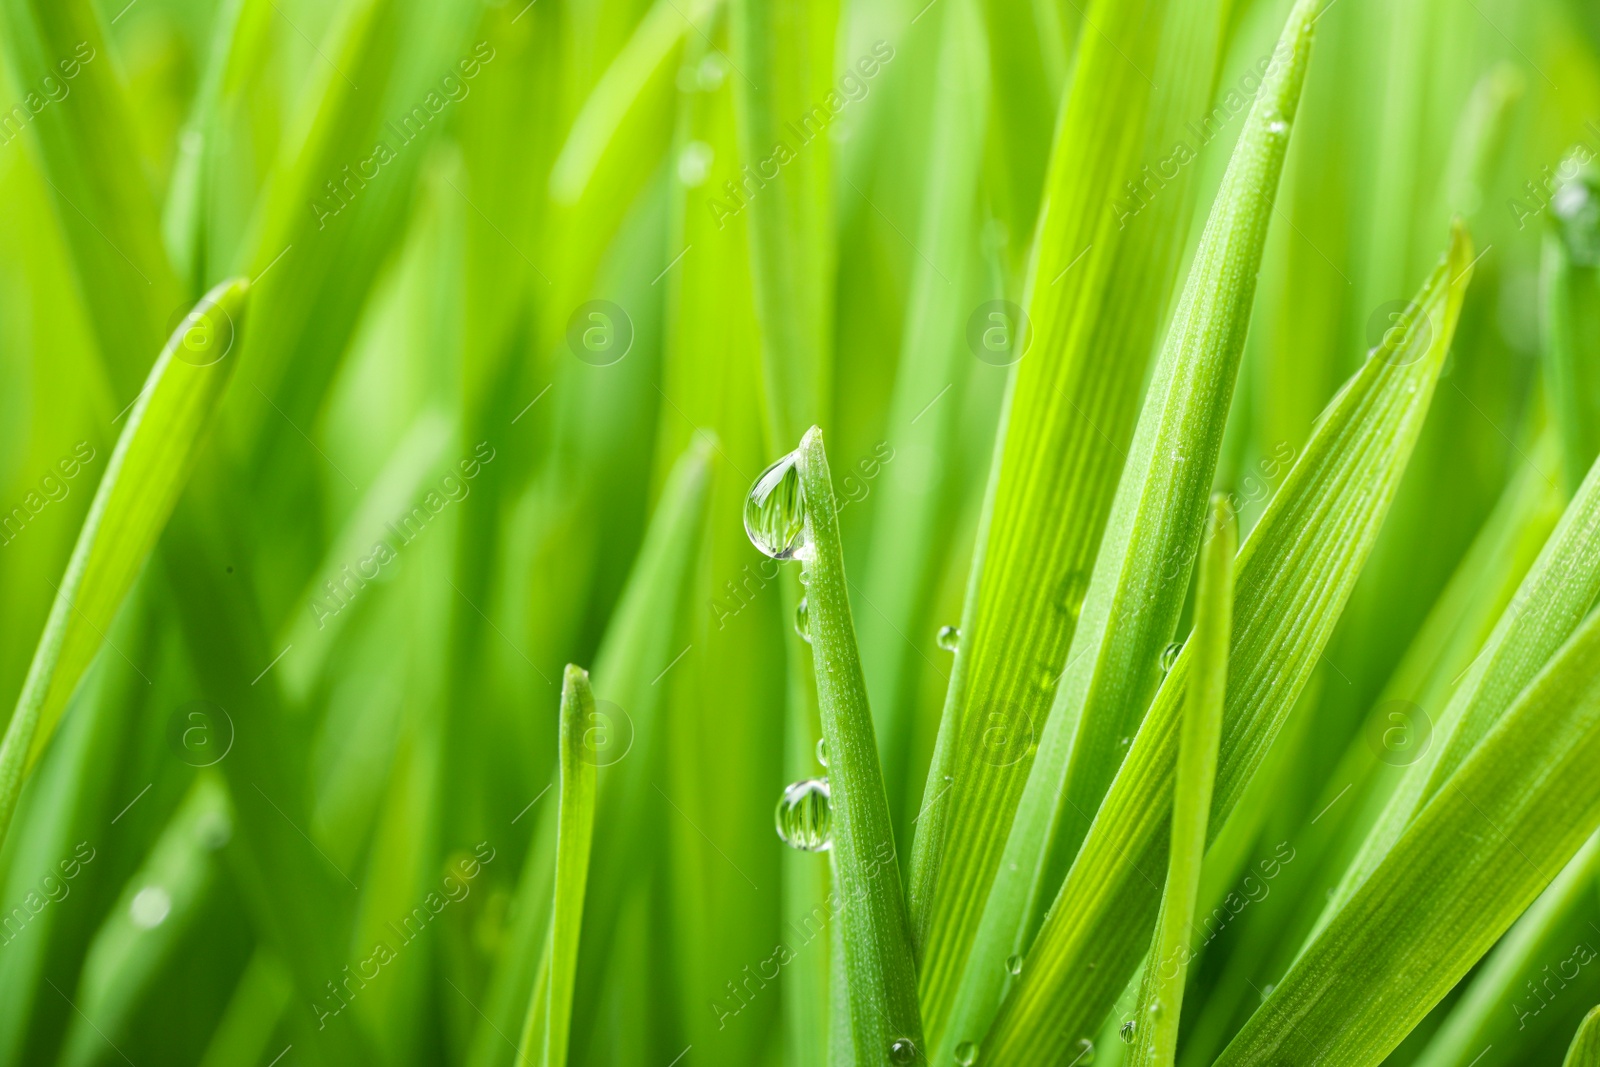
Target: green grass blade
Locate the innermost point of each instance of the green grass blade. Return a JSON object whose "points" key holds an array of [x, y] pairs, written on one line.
{"points": [[1585, 1050], [574, 837], [145, 474], [1549, 604], [93, 166], [789, 47], [1473, 859], [1494, 1010], [1099, 283], [1166, 967], [1295, 573], [648, 629], [878, 966], [1570, 285]]}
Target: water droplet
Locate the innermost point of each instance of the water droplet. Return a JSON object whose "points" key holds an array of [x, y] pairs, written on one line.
{"points": [[822, 751], [150, 907], [966, 1054], [1085, 1055], [1125, 742], [1155, 1007], [1014, 963], [1126, 1033], [1267, 992], [775, 510], [694, 163], [949, 778], [1278, 127], [804, 818], [1169, 655], [902, 1050], [802, 623], [948, 638]]}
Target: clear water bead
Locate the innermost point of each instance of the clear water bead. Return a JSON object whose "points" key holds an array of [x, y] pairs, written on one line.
{"points": [[804, 817], [902, 1050], [1169, 655], [775, 510], [966, 1054], [802, 622], [948, 638], [1014, 964], [822, 751], [1085, 1054], [1126, 1033]]}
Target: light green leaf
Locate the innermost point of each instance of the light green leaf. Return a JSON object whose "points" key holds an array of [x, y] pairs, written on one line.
{"points": [[1167, 965], [1099, 283], [1585, 1050], [1295, 573], [552, 998], [1472, 860], [147, 471], [879, 971]]}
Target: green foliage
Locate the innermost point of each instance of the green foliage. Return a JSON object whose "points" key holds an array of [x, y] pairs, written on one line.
{"points": [[512, 303]]}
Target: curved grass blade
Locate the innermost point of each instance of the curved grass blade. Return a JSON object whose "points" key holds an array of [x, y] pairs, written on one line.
{"points": [[1489, 1016], [146, 473], [1295, 573], [1099, 283], [1549, 604], [1161, 993], [1473, 860], [1585, 1050], [552, 997], [879, 971], [1141, 575]]}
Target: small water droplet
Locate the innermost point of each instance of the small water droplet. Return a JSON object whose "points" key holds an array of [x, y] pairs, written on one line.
{"points": [[802, 623], [775, 510], [1155, 1007], [822, 751], [902, 1050], [1014, 963], [1085, 1055], [966, 1054], [950, 778], [150, 907], [1278, 127], [1169, 655], [1125, 742], [1267, 992], [948, 638], [1126, 1033], [804, 817]]}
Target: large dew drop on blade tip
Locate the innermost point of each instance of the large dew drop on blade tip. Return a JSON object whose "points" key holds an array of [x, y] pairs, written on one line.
{"points": [[775, 510]]}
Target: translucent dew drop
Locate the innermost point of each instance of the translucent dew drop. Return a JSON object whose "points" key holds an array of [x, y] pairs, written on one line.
{"points": [[1155, 1008], [802, 623], [775, 510], [966, 1054], [150, 907], [948, 638], [1169, 655], [902, 1050], [1126, 1033], [1014, 963], [1278, 127], [822, 751], [1085, 1055], [804, 818]]}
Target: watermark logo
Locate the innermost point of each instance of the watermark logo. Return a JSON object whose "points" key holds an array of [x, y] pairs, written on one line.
{"points": [[607, 735], [1002, 734], [1399, 733], [201, 335], [1400, 329], [200, 733], [999, 333], [600, 333]]}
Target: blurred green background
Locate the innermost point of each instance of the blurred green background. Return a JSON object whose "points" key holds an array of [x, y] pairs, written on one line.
{"points": [[529, 311]]}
